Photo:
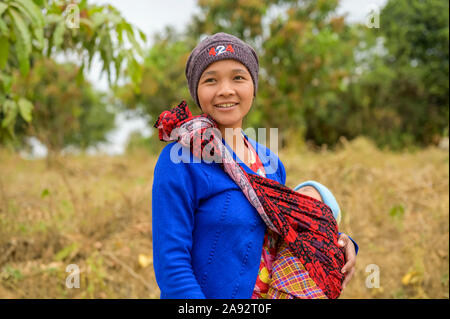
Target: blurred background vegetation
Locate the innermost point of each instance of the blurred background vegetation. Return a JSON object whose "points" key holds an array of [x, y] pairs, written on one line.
{"points": [[321, 78], [344, 90]]}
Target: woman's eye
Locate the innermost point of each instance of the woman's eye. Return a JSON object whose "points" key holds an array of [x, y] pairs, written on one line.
{"points": [[209, 80], [238, 77]]}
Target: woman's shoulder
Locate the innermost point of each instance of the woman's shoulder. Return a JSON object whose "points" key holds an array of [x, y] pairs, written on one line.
{"points": [[175, 158], [174, 153], [178, 168]]}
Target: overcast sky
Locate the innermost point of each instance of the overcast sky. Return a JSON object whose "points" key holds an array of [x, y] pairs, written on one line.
{"points": [[152, 16]]}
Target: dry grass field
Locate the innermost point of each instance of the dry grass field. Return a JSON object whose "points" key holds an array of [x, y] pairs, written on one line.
{"points": [[95, 212]]}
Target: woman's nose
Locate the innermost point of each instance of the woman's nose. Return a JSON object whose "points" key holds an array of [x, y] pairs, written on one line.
{"points": [[226, 89]]}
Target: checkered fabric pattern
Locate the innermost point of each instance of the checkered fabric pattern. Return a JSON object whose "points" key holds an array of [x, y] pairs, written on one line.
{"points": [[290, 280]]}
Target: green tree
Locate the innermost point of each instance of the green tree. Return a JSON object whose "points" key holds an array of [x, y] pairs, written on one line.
{"points": [[163, 83], [401, 97], [67, 112], [26, 34], [21, 33], [307, 58], [416, 37]]}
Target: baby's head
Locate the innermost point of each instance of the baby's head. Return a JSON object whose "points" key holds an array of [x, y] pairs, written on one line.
{"points": [[320, 192], [311, 192]]}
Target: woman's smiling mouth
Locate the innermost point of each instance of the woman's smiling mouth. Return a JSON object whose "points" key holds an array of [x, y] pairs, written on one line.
{"points": [[226, 105]]}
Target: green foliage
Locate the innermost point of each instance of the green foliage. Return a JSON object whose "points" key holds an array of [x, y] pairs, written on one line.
{"points": [[417, 39], [82, 31], [397, 211], [101, 31], [67, 111], [66, 252], [307, 59], [45, 193], [21, 34], [163, 83], [242, 18], [400, 98]]}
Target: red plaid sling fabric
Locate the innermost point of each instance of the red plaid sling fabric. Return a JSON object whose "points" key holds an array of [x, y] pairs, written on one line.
{"points": [[306, 226]]}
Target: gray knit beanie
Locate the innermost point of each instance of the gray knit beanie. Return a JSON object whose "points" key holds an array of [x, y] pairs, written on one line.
{"points": [[220, 46]]}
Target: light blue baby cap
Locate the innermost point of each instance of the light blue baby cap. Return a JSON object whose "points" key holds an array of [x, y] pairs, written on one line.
{"points": [[326, 195]]}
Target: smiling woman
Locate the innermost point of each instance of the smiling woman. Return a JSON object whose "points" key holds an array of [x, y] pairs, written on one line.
{"points": [[221, 225], [225, 92]]}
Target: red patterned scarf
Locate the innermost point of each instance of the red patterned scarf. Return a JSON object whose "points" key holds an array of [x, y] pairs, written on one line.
{"points": [[305, 224]]}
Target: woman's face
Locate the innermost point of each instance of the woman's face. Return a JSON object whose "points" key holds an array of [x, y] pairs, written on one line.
{"points": [[225, 92]]}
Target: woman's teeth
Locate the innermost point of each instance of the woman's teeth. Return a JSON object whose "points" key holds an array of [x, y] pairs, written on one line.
{"points": [[224, 106]]}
